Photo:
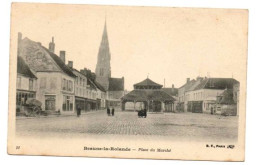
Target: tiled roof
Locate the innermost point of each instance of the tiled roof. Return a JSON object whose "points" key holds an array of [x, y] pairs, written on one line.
{"points": [[147, 82], [188, 84], [91, 84], [99, 86], [23, 68], [227, 97], [60, 63], [171, 92], [116, 84], [144, 95], [216, 83]]}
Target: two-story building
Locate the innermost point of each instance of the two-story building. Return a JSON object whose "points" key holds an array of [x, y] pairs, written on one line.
{"points": [[202, 96], [55, 83]]}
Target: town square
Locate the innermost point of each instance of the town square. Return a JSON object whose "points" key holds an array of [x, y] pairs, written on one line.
{"points": [[124, 125], [143, 94]]}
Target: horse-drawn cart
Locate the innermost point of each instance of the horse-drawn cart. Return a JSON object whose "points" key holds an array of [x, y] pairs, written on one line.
{"points": [[33, 108]]}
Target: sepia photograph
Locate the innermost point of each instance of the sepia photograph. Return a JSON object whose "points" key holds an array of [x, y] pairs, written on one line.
{"points": [[127, 82]]}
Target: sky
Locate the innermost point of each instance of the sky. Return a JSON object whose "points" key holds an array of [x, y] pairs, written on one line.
{"points": [[168, 44]]}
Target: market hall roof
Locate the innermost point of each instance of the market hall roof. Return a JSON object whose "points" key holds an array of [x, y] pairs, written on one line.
{"points": [[144, 95], [23, 68], [147, 83]]}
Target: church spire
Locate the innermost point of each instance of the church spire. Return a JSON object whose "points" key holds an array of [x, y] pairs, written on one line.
{"points": [[103, 69]]}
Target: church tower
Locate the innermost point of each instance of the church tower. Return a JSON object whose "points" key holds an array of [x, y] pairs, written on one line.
{"points": [[103, 69]]}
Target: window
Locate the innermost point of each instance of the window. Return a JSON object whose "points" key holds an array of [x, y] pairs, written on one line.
{"points": [[67, 104], [18, 82], [30, 84], [64, 84]]}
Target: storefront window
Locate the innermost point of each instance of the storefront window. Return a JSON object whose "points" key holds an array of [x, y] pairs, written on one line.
{"points": [[67, 103]]}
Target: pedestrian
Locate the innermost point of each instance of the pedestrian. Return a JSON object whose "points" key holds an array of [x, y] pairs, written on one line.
{"points": [[108, 111], [113, 111], [211, 110], [78, 110]]}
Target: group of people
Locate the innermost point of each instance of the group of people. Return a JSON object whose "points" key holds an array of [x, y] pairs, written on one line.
{"points": [[112, 111], [108, 111]]}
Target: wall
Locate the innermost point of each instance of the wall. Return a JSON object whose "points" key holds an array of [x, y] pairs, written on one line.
{"points": [[50, 83], [24, 84], [114, 94]]}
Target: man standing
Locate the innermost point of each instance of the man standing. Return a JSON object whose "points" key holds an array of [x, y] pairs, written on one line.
{"points": [[113, 111], [108, 111], [78, 111]]}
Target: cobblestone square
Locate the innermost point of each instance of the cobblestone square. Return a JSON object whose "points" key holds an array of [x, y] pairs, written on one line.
{"points": [[168, 126]]}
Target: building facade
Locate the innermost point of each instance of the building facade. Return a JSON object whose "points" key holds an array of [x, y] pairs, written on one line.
{"points": [[55, 83], [200, 95], [26, 83]]}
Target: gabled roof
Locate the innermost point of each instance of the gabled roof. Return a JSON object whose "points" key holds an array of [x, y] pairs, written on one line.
{"points": [[147, 82], [227, 97], [60, 63], [216, 83], [23, 68], [188, 84], [144, 95], [91, 84], [170, 91], [116, 84]]}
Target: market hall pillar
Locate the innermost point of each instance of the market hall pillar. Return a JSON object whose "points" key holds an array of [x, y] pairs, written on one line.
{"points": [[162, 106]]}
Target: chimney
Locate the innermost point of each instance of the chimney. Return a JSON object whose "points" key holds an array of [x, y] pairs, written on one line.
{"points": [[19, 42], [19, 37], [188, 80], [62, 55], [172, 88], [52, 45], [70, 64], [199, 78]]}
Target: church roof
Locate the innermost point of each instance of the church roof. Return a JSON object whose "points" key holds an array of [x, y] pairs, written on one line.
{"points": [[144, 95], [147, 82], [23, 68], [116, 84]]}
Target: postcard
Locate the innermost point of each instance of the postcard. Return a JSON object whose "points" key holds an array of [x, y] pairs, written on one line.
{"points": [[128, 82]]}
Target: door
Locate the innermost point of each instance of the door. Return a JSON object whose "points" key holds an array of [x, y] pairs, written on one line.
{"points": [[50, 103]]}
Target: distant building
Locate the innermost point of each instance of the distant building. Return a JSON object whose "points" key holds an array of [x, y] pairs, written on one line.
{"points": [[85, 92], [200, 96], [182, 103], [173, 92], [150, 95], [55, 83], [114, 87]]}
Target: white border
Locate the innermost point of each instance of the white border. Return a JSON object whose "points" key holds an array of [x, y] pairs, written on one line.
{"points": [[252, 112]]}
